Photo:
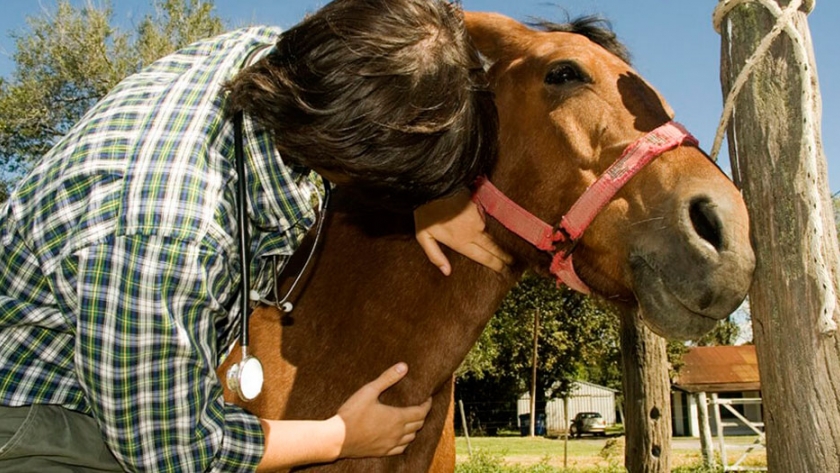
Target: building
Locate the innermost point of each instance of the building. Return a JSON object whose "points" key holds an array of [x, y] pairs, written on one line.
{"points": [[729, 372], [585, 397]]}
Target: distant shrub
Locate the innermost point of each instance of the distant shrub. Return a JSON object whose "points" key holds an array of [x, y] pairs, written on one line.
{"points": [[613, 450], [482, 461]]}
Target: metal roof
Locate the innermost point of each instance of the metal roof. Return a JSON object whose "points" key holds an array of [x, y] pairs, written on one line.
{"points": [[719, 369]]}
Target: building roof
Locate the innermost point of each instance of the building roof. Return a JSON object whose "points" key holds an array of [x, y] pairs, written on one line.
{"points": [[579, 389], [585, 385], [719, 369]]}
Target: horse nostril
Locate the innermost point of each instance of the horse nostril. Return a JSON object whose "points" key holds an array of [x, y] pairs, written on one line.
{"points": [[706, 222]]}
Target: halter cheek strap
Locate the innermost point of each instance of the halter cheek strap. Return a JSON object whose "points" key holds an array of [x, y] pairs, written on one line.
{"points": [[572, 226]]}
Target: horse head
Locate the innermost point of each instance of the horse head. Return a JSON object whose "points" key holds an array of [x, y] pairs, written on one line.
{"points": [[674, 240]]}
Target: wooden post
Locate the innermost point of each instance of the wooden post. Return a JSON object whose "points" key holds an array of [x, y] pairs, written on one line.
{"points": [[621, 410], [706, 448], [533, 425], [793, 233], [647, 391], [719, 427], [566, 435], [465, 426]]}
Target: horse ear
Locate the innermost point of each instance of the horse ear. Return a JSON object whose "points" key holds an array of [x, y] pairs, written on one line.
{"points": [[494, 34]]}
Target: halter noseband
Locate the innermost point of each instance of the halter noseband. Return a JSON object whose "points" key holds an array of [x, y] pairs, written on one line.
{"points": [[544, 236]]}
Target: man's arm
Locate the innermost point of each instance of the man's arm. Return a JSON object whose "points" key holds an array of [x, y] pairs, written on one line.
{"points": [[363, 427]]}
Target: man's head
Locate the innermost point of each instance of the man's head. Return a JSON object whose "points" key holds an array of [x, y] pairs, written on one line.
{"points": [[385, 96]]}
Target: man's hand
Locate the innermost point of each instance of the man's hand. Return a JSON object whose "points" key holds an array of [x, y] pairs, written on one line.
{"points": [[363, 427], [456, 222], [373, 429]]}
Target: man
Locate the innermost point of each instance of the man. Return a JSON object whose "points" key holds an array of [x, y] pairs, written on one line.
{"points": [[119, 267]]}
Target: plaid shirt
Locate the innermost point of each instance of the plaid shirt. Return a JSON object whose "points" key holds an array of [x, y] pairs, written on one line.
{"points": [[119, 267]]}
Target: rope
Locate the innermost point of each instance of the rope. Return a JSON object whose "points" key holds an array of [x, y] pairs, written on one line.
{"points": [[810, 98]]}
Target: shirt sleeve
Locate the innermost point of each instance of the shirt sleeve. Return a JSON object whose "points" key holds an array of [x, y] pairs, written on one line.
{"points": [[146, 356]]}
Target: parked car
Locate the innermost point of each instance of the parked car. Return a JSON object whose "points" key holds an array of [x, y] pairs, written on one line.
{"points": [[588, 423]]}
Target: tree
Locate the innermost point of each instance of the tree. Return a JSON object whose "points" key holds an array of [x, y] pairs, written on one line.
{"points": [[577, 333], [726, 332], [72, 57], [578, 340], [780, 165]]}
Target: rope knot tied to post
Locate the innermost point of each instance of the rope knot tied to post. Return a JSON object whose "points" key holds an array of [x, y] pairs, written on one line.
{"points": [[809, 167]]}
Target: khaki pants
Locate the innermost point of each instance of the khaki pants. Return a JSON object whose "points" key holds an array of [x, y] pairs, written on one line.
{"points": [[46, 439]]}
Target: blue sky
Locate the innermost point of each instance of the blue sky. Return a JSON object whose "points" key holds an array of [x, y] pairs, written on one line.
{"points": [[673, 44]]}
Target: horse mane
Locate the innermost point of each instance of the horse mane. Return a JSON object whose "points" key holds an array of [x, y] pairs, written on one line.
{"points": [[596, 28]]}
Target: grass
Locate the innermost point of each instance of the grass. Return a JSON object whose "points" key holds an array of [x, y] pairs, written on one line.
{"points": [[526, 446], [483, 461], [545, 455]]}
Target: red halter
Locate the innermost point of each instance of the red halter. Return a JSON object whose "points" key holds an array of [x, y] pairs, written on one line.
{"points": [[575, 222]]}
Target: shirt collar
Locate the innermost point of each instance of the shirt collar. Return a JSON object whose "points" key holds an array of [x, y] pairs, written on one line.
{"points": [[280, 196]]}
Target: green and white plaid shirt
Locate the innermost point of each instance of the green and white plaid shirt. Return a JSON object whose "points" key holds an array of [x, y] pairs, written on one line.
{"points": [[119, 267]]}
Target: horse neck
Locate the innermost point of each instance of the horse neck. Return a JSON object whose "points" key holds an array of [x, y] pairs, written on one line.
{"points": [[375, 296]]}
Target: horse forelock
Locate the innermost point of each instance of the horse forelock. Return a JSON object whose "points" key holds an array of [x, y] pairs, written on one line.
{"points": [[595, 28]]}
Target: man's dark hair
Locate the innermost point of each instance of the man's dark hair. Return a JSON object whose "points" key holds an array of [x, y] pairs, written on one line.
{"points": [[388, 95]]}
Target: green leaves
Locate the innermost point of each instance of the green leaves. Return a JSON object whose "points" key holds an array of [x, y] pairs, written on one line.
{"points": [[70, 58], [176, 24], [578, 339]]}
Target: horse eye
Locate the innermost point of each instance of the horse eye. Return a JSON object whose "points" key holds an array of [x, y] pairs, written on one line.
{"points": [[564, 73]]}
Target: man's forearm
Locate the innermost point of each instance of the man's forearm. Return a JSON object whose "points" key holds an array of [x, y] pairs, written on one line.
{"points": [[290, 443]]}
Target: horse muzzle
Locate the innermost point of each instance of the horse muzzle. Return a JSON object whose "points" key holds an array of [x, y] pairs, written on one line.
{"points": [[697, 268]]}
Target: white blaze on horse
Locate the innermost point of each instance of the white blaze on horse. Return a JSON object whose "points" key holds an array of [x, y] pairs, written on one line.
{"points": [[672, 240]]}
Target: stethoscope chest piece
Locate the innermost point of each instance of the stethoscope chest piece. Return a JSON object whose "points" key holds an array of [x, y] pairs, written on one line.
{"points": [[246, 378]]}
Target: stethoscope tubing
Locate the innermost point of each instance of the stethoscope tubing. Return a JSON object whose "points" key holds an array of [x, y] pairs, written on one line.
{"points": [[244, 239], [250, 365]]}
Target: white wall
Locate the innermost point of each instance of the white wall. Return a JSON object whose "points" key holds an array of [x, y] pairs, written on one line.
{"points": [[585, 398], [752, 411]]}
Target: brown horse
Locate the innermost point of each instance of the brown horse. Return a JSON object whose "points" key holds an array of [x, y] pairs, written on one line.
{"points": [[673, 242]]}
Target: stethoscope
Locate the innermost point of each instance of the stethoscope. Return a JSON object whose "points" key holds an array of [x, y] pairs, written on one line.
{"points": [[246, 377]]}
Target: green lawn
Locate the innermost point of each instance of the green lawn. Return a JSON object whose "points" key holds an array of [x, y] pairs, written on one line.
{"points": [[526, 446], [589, 455]]}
